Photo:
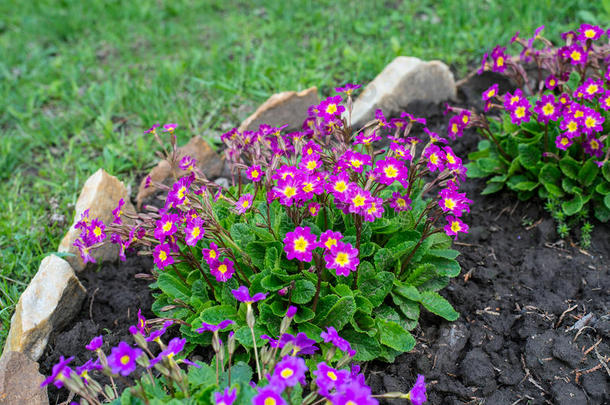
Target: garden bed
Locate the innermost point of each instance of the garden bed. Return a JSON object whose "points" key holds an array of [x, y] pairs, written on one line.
{"points": [[519, 292]]}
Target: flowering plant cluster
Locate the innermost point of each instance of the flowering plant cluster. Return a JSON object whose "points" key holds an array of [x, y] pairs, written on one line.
{"points": [[287, 372], [353, 228], [551, 136]]}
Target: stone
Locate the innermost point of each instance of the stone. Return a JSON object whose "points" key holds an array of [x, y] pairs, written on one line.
{"points": [[208, 161], [405, 81], [50, 302], [20, 381], [100, 195], [286, 108]]}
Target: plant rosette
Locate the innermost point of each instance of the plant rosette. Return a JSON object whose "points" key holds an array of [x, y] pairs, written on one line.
{"points": [[353, 228], [550, 138]]}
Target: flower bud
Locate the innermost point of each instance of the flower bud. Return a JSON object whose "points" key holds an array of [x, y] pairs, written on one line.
{"points": [[231, 344], [250, 317]]}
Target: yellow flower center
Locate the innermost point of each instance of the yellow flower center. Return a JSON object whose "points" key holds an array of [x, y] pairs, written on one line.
{"points": [[450, 158], [195, 232], [270, 401], [181, 192], [455, 226], [331, 109], [590, 122], [245, 204], [548, 109], [212, 254], [162, 256], [572, 126], [500, 61], [434, 158], [592, 88], [454, 128], [287, 373], [390, 171], [564, 141], [594, 144], [342, 259], [312, 164], [514, 99], [356, 163], [401, 202], [330, 243], [340, 186], [300, 244], [551, 82], [579, 114], [97, 231], [254, 173], [491, 93], [372, 209], [358, 200], [520, 112], [465, 119], [332, 375], [222, 268], [607, 101], [589, 33], [313, 210], [125, 359], [290, 191], [575, 55], [450, 203], [167, 226], [308, 187]]}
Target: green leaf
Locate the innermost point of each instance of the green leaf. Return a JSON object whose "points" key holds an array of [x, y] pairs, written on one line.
{"points": [[363, 304], [366, 348], [549, 174], [173, 286], [420, 274], [241, 373], [384, 259], [526, 186], [606, 171], [588, 172], [438, 305], [529, 156], [408, 307], [601, 212], [607, 201], [241, 234], [473, 171], [393, 335], [272, 259], [303, 292], [573, 80], [325, 304], [201, 376], [603, 188], [444, 266], [490, 165], [304, 314], [375, 287], [569, 167], [244, 336], [407, 291], [492, 187], [216, 314], [573, 206], [340, 314], [570, 186]]}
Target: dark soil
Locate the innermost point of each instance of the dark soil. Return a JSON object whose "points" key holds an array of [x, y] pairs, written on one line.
{"points": [[534, 325], [535, 311]]}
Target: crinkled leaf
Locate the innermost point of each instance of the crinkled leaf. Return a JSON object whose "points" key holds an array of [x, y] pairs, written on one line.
{"points": [[438, 305], [365, 347], [173, 286], [588, 172], [375, 286], [569, 167], [529, 156], [393, 335], [303, 291], [420, 274], [340, 314], [409, 308], [573, 206]]}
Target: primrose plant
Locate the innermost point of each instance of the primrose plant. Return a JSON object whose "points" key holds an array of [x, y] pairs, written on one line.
{"points": [[550, 136], [353, 228], [287, 372]]}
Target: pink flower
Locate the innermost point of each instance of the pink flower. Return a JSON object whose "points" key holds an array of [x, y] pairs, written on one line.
{"points": [[563, 142], [222, 270], [375, 209], [435, 158], [187, 163], [342, 257], [210, 254], [575, 54], [331, 108], [521, 112], [329, 238], [358, 199], [490, 92], [299, 244], [170, 128], [162, 256], [166, 226], [244, 203], [355, 161], [590, 32], [313, 209], [389, 170], [547, 109], [255, 173], [455, 225], [194, 231], [400, 202], [454, 202], [117, 212], [348, 88], [550, 82]]}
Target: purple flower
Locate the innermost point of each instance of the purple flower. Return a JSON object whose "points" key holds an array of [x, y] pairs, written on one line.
{"points": [[268, 396], [222, 270], [289, 372], [210, 254], [226, 398], [95, 343], [140, 327], [328, 378], [313, 209], [435, 158], [122, 359], [60, 372], [454, 226], [330, 108], [454, 202], [499, 57], [563, 142], [400, 202], [156, 334], [194, 231], [550, 82], [342, 257], [590, 32], [170, 127], [117, 212], [242, 294], [152, 129], [332, 336], [417, 395], [244, 203], [255, 173], [575, 54], [547, 109], [162, 256], [521, 113], [354, 394], [389, 170], [175, 346], [187, 163], [300, 343], [291, 312], [490, 92], [208, 327], [90, 365], [348, 88], [299, 244], [166, 226]]}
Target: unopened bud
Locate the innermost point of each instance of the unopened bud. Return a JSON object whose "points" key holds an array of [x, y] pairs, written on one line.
{"points": [[231, 344], [250, 317], [140, 340]]}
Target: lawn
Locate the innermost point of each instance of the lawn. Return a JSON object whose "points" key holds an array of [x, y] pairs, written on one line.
{"points": [[81, 80]]}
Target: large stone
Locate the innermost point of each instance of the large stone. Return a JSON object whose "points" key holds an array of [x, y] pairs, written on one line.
{"points": [[208, 161], [100, 195], [20, 381], [50, 302], [287, 108], [406, 80]]}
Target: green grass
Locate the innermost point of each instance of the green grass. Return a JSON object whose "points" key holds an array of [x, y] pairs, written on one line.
{"points": [[80, 80]]}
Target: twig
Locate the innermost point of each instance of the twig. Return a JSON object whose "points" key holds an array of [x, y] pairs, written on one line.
{"points": [[602, 361], [563, 314], [91, 303]]}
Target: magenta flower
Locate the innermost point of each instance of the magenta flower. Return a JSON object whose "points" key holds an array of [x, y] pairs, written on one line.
{"points": [[328, 378], [342, 257], [83, 249], [313, 209], [166, 226], [170, 128], [287, 190], [299, 244], [521, 112], [311, 162], [122, 359], [162, 255], [329, 238], [90, 365], [604, 100], [208, 327], [366, 138], [348, 89], [375, 209], [117, 212], [454, 226], [354, 394], [400, 202], [590, 32], [244, 203], [435, 158], [499, 57], [355, 161], [255, 173], [289, 372], [338, 185], [310, 185], [95, 343], [331, 108], [490, 92], [550, 82], [175, 346], [592, 121], [590, 88], [210, 254], [268, 396], [291, 311], [511, 101], [140, 327], [242, 294], [222, 270], [187, 163], [547, 109], [300, 343], [455, 128], [152, 129], [389, 170], [226, 398], [563, 142], [417, 395], [454, 202], [194, 231], [333, 337], [593, 146], [359, 200], [95, 232], [575, 54], [571, 126], [157, 333], [60, 372]]}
